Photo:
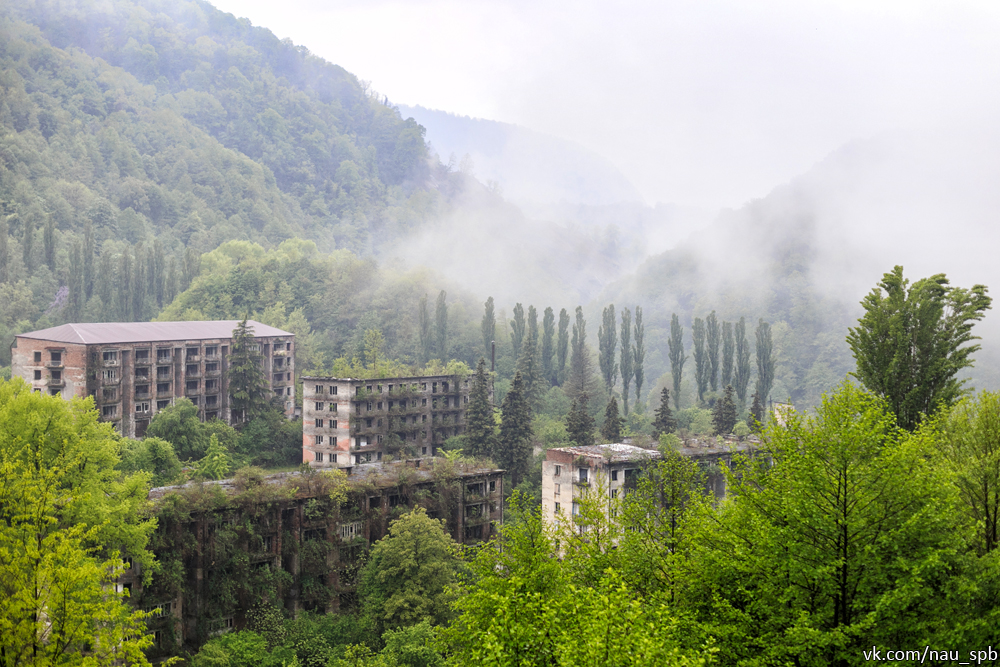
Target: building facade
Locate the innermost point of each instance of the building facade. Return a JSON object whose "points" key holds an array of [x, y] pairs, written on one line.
{"points": [[134, 369], [300, 549], [348, 421], [570, 473]]}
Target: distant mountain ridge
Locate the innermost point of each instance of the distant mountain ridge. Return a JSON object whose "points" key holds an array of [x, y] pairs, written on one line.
{"points": [[530, 167]]}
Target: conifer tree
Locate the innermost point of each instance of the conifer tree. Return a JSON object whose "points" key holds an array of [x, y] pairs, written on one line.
{"points": [[713, 340], [488, 326], [765, 361], [89, 254], [664, 421], [562, 346], [548, 346], [517, 329], [480, 431], [441, 325], [247, 386], [724, 414], [514, 448], [742, 371], [4, 251], [607, 341], [579, 424], [677, 358], [639, 353], [192, 266], [756, 418], [728, 347], [700, 358], [139, 284], [626, 357], [424, 330], [528, 364], [611, 430]]}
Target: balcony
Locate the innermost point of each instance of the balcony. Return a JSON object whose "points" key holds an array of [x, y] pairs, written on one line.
{"points": [[52, 382], [192, 391], [54, 364], [164, 393], [195, 374], [143, 361], [212, 373], [142, 395]]}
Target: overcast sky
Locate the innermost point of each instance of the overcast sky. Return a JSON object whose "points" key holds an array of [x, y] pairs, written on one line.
{"points": [[705, 103]]}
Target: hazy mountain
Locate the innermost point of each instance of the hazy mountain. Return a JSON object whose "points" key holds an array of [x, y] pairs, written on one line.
{"points": [[530, 167]]}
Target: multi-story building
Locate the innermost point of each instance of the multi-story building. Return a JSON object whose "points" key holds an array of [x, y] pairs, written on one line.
{"points": [[570, 473], [348, 421], [134, 369]]}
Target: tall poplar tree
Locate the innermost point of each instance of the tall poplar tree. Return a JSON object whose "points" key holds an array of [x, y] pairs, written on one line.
{"points": [[192, 266], [742, 371], [441, 325], [713, 340], [481, 428], [517, 329], [76, 297], [4, 250], [139, 284], [124, 304], [488, 326], [528, 364], [562, 346], [424, 330], [49, 242], [677, 358], [28, 240], [639, 354], [89, 255], [700, 358], [172, 286], [514, 448], [158, 273], [548, 345], [765, 361], [247, 385], [581, 367], [106, 288], [627, 355], [728, 347], [607, 342]]}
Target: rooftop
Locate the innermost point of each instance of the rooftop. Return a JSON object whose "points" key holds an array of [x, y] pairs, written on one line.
{"points": [[99, 333], [616, 452]]}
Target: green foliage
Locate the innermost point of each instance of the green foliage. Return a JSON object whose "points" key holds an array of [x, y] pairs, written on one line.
{"points": [[488, 327], [247, 385], [741, 374], [514, 444], [179, 425], [480, 431], [607, 341], [216, 463], [724, 413], [517, 326], [639, 353], [626, 357], [695, 421], [407, 576], [664, 421], [741, 430], [562, 345], [153, 455], [611, 430], [677, 358], [548, 346], [712, 334], [765, 361], [728, 350], [528, 363], [701, 364], [580, 379], [579, 424], [441, 325], [912, 341]]}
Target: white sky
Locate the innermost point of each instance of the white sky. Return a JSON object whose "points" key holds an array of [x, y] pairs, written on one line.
{"points": [[703, 102]]}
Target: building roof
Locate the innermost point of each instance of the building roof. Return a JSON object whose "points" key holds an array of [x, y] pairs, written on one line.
{"points": [[100, 333], [615, 452]]}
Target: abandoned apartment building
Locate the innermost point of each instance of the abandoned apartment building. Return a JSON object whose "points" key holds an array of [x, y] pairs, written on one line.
{"points": [[570, 473], [288, 541], [134, 369], [348, 421]]}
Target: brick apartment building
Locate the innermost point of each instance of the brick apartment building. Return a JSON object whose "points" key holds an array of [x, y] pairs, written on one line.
{"points": [[134, 369], [349, 421]]}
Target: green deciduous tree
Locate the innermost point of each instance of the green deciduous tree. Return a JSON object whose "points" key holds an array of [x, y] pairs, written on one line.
{"points": [[712, 336], [741, 374], [579, 424], [548, 346], [913, 340], [765, 361], [179, 425], [407, 578], [626, 357], [441, 326], [639, 354], [607, 342], [677, 358], [488, 327], [581, 378], [514, 444], [724, 413], [756, 416], [611, 430], [247, 386], [562, 345], [424, 330], [528, 363], [153, 455], [701, 367], [728, 348], [517, 327], [216, 463]]}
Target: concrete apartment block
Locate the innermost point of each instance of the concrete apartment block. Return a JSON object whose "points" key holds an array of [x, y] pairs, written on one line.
{"points": [[134, 369], [348, 421]]}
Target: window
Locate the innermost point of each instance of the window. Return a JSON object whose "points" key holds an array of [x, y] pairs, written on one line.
{"points": [[423, 451], [109, 411], [380, 405], [268, 543], [614, 493], [211, 367], [162, 405], [109, 374], [211, 400], [278, 377], [141, 389], [424, 404], [583, 474], [434, 387], [423, 418], [319, 406], [380, 389], [110, 356], [368, 423], [192, 369], [38, 357], [56, 357], [142, 372], [54, 392], [379, 424], [279, 362], [110, 394], [192, 352], [333, 389], [614, 475], [333, 458], [576, 509], [194, 400], [390, 388], [423, 386], [466, 400], [444, 387], [369, 406], [211, 385], [163, 372], [391, 403], [557, 508], [142, 355], [162, 387], [493, 485], [319, 423], [333, 423], [558, 488], [163, 356], [319, 389], [558, 471], [142, 407], [319, 456], [211, 415], [211, 351], [38, 374], [369, 389], [192, 385]]}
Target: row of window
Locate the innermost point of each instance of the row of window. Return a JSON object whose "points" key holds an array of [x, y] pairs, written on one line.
{"points": [[326, 423], [55, 356]]}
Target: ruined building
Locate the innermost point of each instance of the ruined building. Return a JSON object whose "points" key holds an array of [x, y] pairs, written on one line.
{"points": [[292, 540], [134, 369], [347, 421]]}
